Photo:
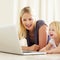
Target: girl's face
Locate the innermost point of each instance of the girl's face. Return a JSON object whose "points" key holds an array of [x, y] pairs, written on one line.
{"points": [[27, 21], [52, 32]]}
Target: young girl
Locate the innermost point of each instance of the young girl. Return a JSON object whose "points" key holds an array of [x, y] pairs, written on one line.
{"points": [[54, 44]]}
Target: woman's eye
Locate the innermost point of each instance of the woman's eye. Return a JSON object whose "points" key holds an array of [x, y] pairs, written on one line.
{"points": [[30, 18], [24, 19]]}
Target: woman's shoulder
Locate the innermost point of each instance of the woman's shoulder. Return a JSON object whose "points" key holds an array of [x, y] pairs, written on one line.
{"points": [[40, 23]]}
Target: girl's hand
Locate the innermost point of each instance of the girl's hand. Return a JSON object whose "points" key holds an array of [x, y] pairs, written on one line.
{"points": [[49, 52], [43, 50], [54, 51]]}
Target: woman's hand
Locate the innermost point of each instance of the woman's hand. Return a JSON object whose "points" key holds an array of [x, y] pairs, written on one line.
{"points": [[34, 47], [31, 48]]}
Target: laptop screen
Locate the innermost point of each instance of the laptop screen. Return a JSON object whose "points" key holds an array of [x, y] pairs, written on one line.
{"points": [[9, 39]]}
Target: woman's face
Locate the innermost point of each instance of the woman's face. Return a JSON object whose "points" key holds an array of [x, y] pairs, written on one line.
{"points": [[52, 32], [27, 21]]}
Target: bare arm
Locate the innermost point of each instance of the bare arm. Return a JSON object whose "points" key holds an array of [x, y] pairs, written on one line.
{"points": [[54, 51], [43, 36], [46, 48], [31, 48]]}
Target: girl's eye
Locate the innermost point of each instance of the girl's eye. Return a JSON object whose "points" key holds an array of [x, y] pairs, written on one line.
{"points": [[53, 30], [49, 29]]}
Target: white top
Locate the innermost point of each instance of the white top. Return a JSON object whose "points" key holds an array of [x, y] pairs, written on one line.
{"points": [[52, 42], [23, 42]]}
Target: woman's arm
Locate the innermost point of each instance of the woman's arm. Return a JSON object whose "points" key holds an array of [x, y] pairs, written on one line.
{"points": [[46, 48], [31, 48], [43, 36]]}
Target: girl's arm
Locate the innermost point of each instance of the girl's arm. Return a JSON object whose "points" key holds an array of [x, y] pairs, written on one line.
{"points": [[54, 51]]}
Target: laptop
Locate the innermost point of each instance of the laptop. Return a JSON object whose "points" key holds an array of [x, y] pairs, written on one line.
{"points": [[9, 42]]}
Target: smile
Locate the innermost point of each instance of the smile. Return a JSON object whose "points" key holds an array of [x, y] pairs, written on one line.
{"points": [[51, 34], [28, 26]]}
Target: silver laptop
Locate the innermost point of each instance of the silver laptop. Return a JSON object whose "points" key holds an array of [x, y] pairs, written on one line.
{"points": [[9, 42]]}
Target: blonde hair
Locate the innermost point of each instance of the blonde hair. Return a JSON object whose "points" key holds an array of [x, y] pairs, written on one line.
{"points": [[22, 31], [56, 24]]}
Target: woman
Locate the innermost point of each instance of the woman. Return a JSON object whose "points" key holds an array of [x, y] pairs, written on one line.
{"points": [[34, 31]]}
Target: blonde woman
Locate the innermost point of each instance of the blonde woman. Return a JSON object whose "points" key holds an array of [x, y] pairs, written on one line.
{"points": [[54, 44], [34, 31]]}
